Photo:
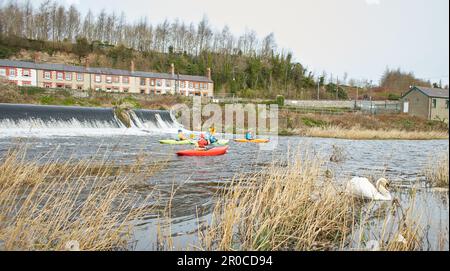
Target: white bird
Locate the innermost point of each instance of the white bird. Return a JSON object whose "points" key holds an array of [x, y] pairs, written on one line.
{"points": [[362, 187]]}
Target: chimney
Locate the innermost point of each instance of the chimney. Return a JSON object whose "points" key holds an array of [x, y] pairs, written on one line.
{"points": [[37, 57], [132, 65], [208, 73], [172, 69]]}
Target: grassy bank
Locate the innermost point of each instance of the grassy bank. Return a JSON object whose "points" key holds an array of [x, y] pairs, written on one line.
{"points": [[11, 93], [366, 134], [362, 126]]}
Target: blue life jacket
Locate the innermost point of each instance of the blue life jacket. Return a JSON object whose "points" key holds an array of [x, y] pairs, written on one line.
{"points": [[248, 136]]}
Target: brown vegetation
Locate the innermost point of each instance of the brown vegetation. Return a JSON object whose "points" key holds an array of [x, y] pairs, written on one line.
{"points": [[291, 208], [436, 171], [362, 126], [45, 205]]}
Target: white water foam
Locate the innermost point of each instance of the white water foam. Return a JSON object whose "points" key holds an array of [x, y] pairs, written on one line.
{"points": [[35, 127]]}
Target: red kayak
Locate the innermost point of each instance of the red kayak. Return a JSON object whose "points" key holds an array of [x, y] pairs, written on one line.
{"points": [[211, 152]]}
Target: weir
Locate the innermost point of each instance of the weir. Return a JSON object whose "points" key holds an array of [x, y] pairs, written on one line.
{"points": [[68, 120]]}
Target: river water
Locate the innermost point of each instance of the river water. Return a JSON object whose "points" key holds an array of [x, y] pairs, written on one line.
{"points": [[198, 178]]}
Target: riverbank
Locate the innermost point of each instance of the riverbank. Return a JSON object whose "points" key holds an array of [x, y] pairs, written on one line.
{"points": [[365, 134], [361, 126]]}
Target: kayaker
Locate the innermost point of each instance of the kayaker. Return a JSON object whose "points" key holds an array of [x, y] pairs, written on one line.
{"points": [[210, 136], [181, 136], [202, 143], [249, 135], [212, 130]]}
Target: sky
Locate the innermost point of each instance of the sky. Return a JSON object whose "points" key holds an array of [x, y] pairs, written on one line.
{"points": [[358, 37]]}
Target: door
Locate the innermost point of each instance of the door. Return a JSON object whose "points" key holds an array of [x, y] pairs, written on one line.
{"points": [[405, 107]]}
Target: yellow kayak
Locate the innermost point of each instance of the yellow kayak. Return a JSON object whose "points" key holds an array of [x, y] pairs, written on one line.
{"points": [[252, 141]]}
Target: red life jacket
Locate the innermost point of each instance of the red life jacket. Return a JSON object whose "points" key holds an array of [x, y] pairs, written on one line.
{"points": [[202, 143]]}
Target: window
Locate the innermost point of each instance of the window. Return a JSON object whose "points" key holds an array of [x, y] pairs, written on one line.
{"points": [[59, 85], [68, 86], [142, 91], [2, 72], [115, 89], [125, 80], [108, 79], [158, 83], [98, 79], [116, 79], [59, 76], [125, 89], [143, 81], [152, 82], [69, 76], [98, 88], [80, 77], [79, 87], [47, 75], [168, 83], [12, 72], [26, 73], [190, 84], [48, 85], [434, 101]]}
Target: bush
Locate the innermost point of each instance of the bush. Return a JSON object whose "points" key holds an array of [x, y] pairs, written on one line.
{"points": [[47, 100], [313, 123], [280, 100], [393, 97], [32, 90]]}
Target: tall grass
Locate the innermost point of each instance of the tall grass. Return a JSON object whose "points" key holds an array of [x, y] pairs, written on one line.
{"points": [[436, 172], [360, 133], [46, 204], [292, 208], [280, 209]]}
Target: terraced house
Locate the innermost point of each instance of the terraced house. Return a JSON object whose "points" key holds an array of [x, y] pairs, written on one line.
{"points": [[104, 79]]}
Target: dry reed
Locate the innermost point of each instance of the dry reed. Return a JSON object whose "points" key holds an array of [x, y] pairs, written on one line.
{"points": [[283, 208], [43, 206], [360, 134], [436, 172], [292, 208]]}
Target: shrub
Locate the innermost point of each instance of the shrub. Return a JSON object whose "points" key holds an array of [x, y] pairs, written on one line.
{"points": [[47, 100], [280, 100], [313, 123], [393, 97]]}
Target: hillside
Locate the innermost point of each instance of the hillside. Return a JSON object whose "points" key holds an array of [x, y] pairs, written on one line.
{"points": [[244, 65]]}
